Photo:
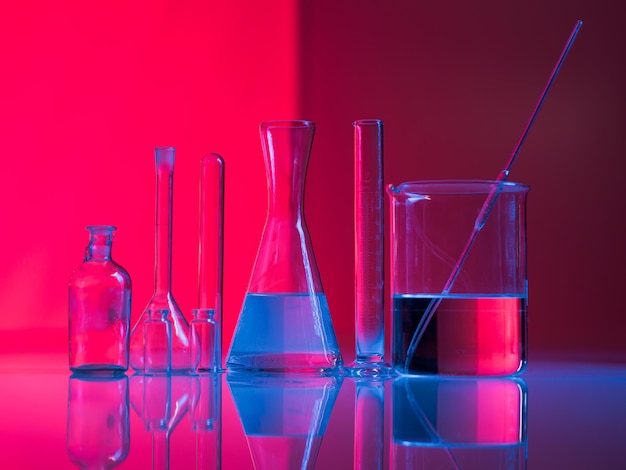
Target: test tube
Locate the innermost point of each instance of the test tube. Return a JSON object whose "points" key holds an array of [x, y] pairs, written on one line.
{"points": [[157, 342], [369, 228], [210, 265]]}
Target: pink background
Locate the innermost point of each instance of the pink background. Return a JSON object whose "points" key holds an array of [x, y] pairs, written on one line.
{"points": [[88, 89]]}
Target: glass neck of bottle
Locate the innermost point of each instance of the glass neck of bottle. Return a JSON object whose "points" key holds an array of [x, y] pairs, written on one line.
{"points": [[99, 246]]}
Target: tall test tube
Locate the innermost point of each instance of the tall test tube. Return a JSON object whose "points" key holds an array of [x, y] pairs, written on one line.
{"points": [[369, 229], [208, 348]]}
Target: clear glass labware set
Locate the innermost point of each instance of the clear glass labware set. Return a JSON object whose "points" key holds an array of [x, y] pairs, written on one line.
{"points": [[285, 323]]}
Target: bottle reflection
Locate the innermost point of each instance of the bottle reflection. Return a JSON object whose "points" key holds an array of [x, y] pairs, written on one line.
{"points": [[369, 424], [161, 401], [284, 417], [459, 423], [206, 420], [98, 426]]}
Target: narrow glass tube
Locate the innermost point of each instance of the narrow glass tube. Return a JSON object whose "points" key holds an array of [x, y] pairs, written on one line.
{"points": [[204, 341], [368, 239], [157, 349], [210, 264]]}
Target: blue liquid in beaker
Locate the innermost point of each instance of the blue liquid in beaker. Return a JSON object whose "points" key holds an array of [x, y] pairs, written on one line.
{"points": [[284, 332]]}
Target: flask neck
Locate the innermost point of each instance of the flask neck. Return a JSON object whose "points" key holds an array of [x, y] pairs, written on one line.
{"points": [[286, 148], [164, 158], [100, 241]]}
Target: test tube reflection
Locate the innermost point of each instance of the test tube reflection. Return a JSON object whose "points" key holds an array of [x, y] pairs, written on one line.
{"points": [[206, 420], [284, 417], [98, 426], [458, 423]]}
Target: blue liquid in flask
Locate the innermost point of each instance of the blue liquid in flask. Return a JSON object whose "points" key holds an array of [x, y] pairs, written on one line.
{"points": [[285, 332]]}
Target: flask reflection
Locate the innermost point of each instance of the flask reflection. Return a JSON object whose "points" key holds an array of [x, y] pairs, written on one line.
{"points": [[284, 417]]}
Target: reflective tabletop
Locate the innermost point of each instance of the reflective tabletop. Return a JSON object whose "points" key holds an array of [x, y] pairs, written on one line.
{"points": [[556, 415]]}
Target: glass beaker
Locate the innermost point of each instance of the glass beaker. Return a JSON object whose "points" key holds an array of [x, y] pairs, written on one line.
{"points": [[99, 308], [285, 324], [478, 322], [162, 298], [468, 423]]}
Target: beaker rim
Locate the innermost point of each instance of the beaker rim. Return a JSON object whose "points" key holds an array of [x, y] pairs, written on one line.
{"points": [[459, 186], [287, 123], [93, 228]]}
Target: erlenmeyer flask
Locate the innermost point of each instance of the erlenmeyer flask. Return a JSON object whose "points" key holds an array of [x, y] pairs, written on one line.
{"points": [[162, 298], [285, 324]]}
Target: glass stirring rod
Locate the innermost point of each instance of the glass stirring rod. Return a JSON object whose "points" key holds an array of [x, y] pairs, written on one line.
{"points": [[369, 229], [487, 206]]}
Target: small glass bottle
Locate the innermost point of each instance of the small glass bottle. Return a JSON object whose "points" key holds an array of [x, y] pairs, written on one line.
{"points": [[205, 344], [157, 342], [99, 308]]}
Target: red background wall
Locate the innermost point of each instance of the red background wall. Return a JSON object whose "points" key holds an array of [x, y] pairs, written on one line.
{"points": [[88, 90]]}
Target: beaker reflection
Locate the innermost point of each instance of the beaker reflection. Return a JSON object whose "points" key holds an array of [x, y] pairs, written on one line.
{"points": [[206, 420], [98, 427], [161, 401], [459, 423], [284, 417]]}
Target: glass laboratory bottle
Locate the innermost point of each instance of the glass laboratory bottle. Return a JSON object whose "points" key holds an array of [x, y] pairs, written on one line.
{"points": [[162, 297], [99, 308], [285, 324]]}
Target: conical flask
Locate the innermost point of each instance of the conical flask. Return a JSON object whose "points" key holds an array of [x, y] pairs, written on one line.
{"points": [[284, 416], [285, 324], [162, 298]]}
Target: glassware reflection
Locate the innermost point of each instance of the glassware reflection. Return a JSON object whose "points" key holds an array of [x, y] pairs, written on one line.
{"points": [[459, 423], [98, 426], [284, 417], [369, 424], [206, 420], [161, 401]]}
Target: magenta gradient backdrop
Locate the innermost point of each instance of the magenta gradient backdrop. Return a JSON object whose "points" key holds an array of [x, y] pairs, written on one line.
{"points": [[87, 90]]}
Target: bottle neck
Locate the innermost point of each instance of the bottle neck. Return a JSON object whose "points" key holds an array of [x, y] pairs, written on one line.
{"points": [[99, 244]]}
